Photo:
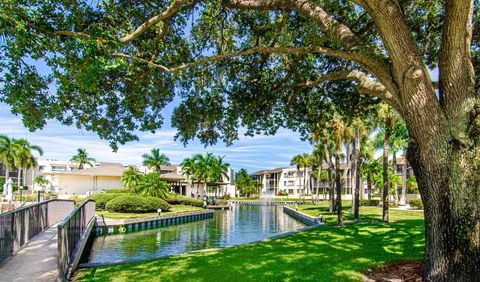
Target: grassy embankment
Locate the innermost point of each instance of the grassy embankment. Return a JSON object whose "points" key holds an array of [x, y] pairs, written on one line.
{"points": [[325, 253]]}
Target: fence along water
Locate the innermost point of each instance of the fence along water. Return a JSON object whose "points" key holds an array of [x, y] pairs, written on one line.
{"points": [[19, 226], [73, 233]]}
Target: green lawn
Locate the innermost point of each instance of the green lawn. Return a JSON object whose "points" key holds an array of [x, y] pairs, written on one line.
{"points": [[279, 199], [175, 209], [325, 253]]}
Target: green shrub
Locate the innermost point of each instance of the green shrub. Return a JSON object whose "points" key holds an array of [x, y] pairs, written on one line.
{"points": [[282, 193], [77, 199], [136, 204], [175, 199], [119, 191], [102, 199], [416, 204], [369, 202]]}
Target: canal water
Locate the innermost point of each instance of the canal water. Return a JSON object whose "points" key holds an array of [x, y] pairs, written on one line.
{"points": [[241, 225]]}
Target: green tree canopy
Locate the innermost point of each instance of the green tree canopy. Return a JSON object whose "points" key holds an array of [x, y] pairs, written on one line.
{"points": [[263, 64]]}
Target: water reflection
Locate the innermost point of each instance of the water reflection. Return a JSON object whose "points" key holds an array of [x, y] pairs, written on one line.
{"points": [[241, 225]]}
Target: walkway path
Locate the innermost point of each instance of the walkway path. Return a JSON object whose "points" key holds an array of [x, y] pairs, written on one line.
{"points": [[36, 261]]}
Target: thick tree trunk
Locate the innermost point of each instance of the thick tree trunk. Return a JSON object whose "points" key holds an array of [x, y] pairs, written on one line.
{"points": [[385, 199], [338, 187], [450, 190]]}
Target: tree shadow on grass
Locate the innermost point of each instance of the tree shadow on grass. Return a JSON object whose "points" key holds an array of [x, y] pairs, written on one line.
{"points": [[325, 253]]}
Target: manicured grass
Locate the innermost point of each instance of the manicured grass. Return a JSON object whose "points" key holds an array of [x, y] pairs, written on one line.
{"points": [[175, 209], [325, 253], [282, 199]]}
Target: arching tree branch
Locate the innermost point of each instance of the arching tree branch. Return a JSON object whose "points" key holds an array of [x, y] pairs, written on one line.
{"points": [[327, 23], [366, 85], [168, 13]]}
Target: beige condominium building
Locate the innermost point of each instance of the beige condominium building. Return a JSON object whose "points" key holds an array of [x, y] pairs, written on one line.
{"points": [[291, 181]]}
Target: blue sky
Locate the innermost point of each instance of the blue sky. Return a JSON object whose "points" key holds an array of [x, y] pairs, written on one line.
{"points": [[60, 142]]}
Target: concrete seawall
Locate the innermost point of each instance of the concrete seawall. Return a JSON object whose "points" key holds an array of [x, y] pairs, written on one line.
{"points": [[305, 218], [125, 226]]}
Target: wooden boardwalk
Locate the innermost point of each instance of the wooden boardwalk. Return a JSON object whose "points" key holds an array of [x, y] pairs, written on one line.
{"points": [[36, 261]]}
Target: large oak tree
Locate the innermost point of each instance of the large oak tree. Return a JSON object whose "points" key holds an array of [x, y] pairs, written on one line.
{"points": [[111, 66]]}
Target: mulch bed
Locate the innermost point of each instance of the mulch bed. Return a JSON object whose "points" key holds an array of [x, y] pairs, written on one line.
{"points": [[409, 271]]}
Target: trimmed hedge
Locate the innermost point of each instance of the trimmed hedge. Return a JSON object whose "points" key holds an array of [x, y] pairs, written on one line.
{"points": [[102, 199], [136, 204], [175, 199], [369, 202], [416, 204], [119, 191]]}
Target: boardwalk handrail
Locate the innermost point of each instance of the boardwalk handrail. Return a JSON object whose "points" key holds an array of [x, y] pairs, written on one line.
{"points": [[70, 232], [19, 226]]}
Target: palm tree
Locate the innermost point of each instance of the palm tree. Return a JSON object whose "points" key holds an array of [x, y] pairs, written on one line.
{"points": [[155, 160], [7, 154], [244, 183], [40, 180], [151, 185], [388, 118], [301, 161], [82, 158], [312, 163], [399, 142], [131, 177], [189, 169], [219, 170], [204, 164], [340, 133], [318, 155], [23, 158]]}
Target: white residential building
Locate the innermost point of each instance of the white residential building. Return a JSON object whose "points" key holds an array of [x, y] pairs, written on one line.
{"points": [[291, 181]]}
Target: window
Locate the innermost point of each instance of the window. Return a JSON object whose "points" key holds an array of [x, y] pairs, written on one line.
{"points": [[290, 183], [41, 167], [290, 191], [284, 183], [58, 168]]}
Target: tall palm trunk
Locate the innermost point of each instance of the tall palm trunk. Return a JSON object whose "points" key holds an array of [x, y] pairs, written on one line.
{"points": [[7, 174], [403, 197], [369, 186], [348, 171], [304, 183], [394, 171], [385, 199], [356, 162], [19, 177], [318, 182], [331, 206], [338, 185]]}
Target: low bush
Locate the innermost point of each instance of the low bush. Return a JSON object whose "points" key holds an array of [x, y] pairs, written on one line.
{"points": [[175, 199], [102, 199], [416, 204], [77, 199], [136, 204], [282, 193], [225, 197], [119, 191], [369, 202]]}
